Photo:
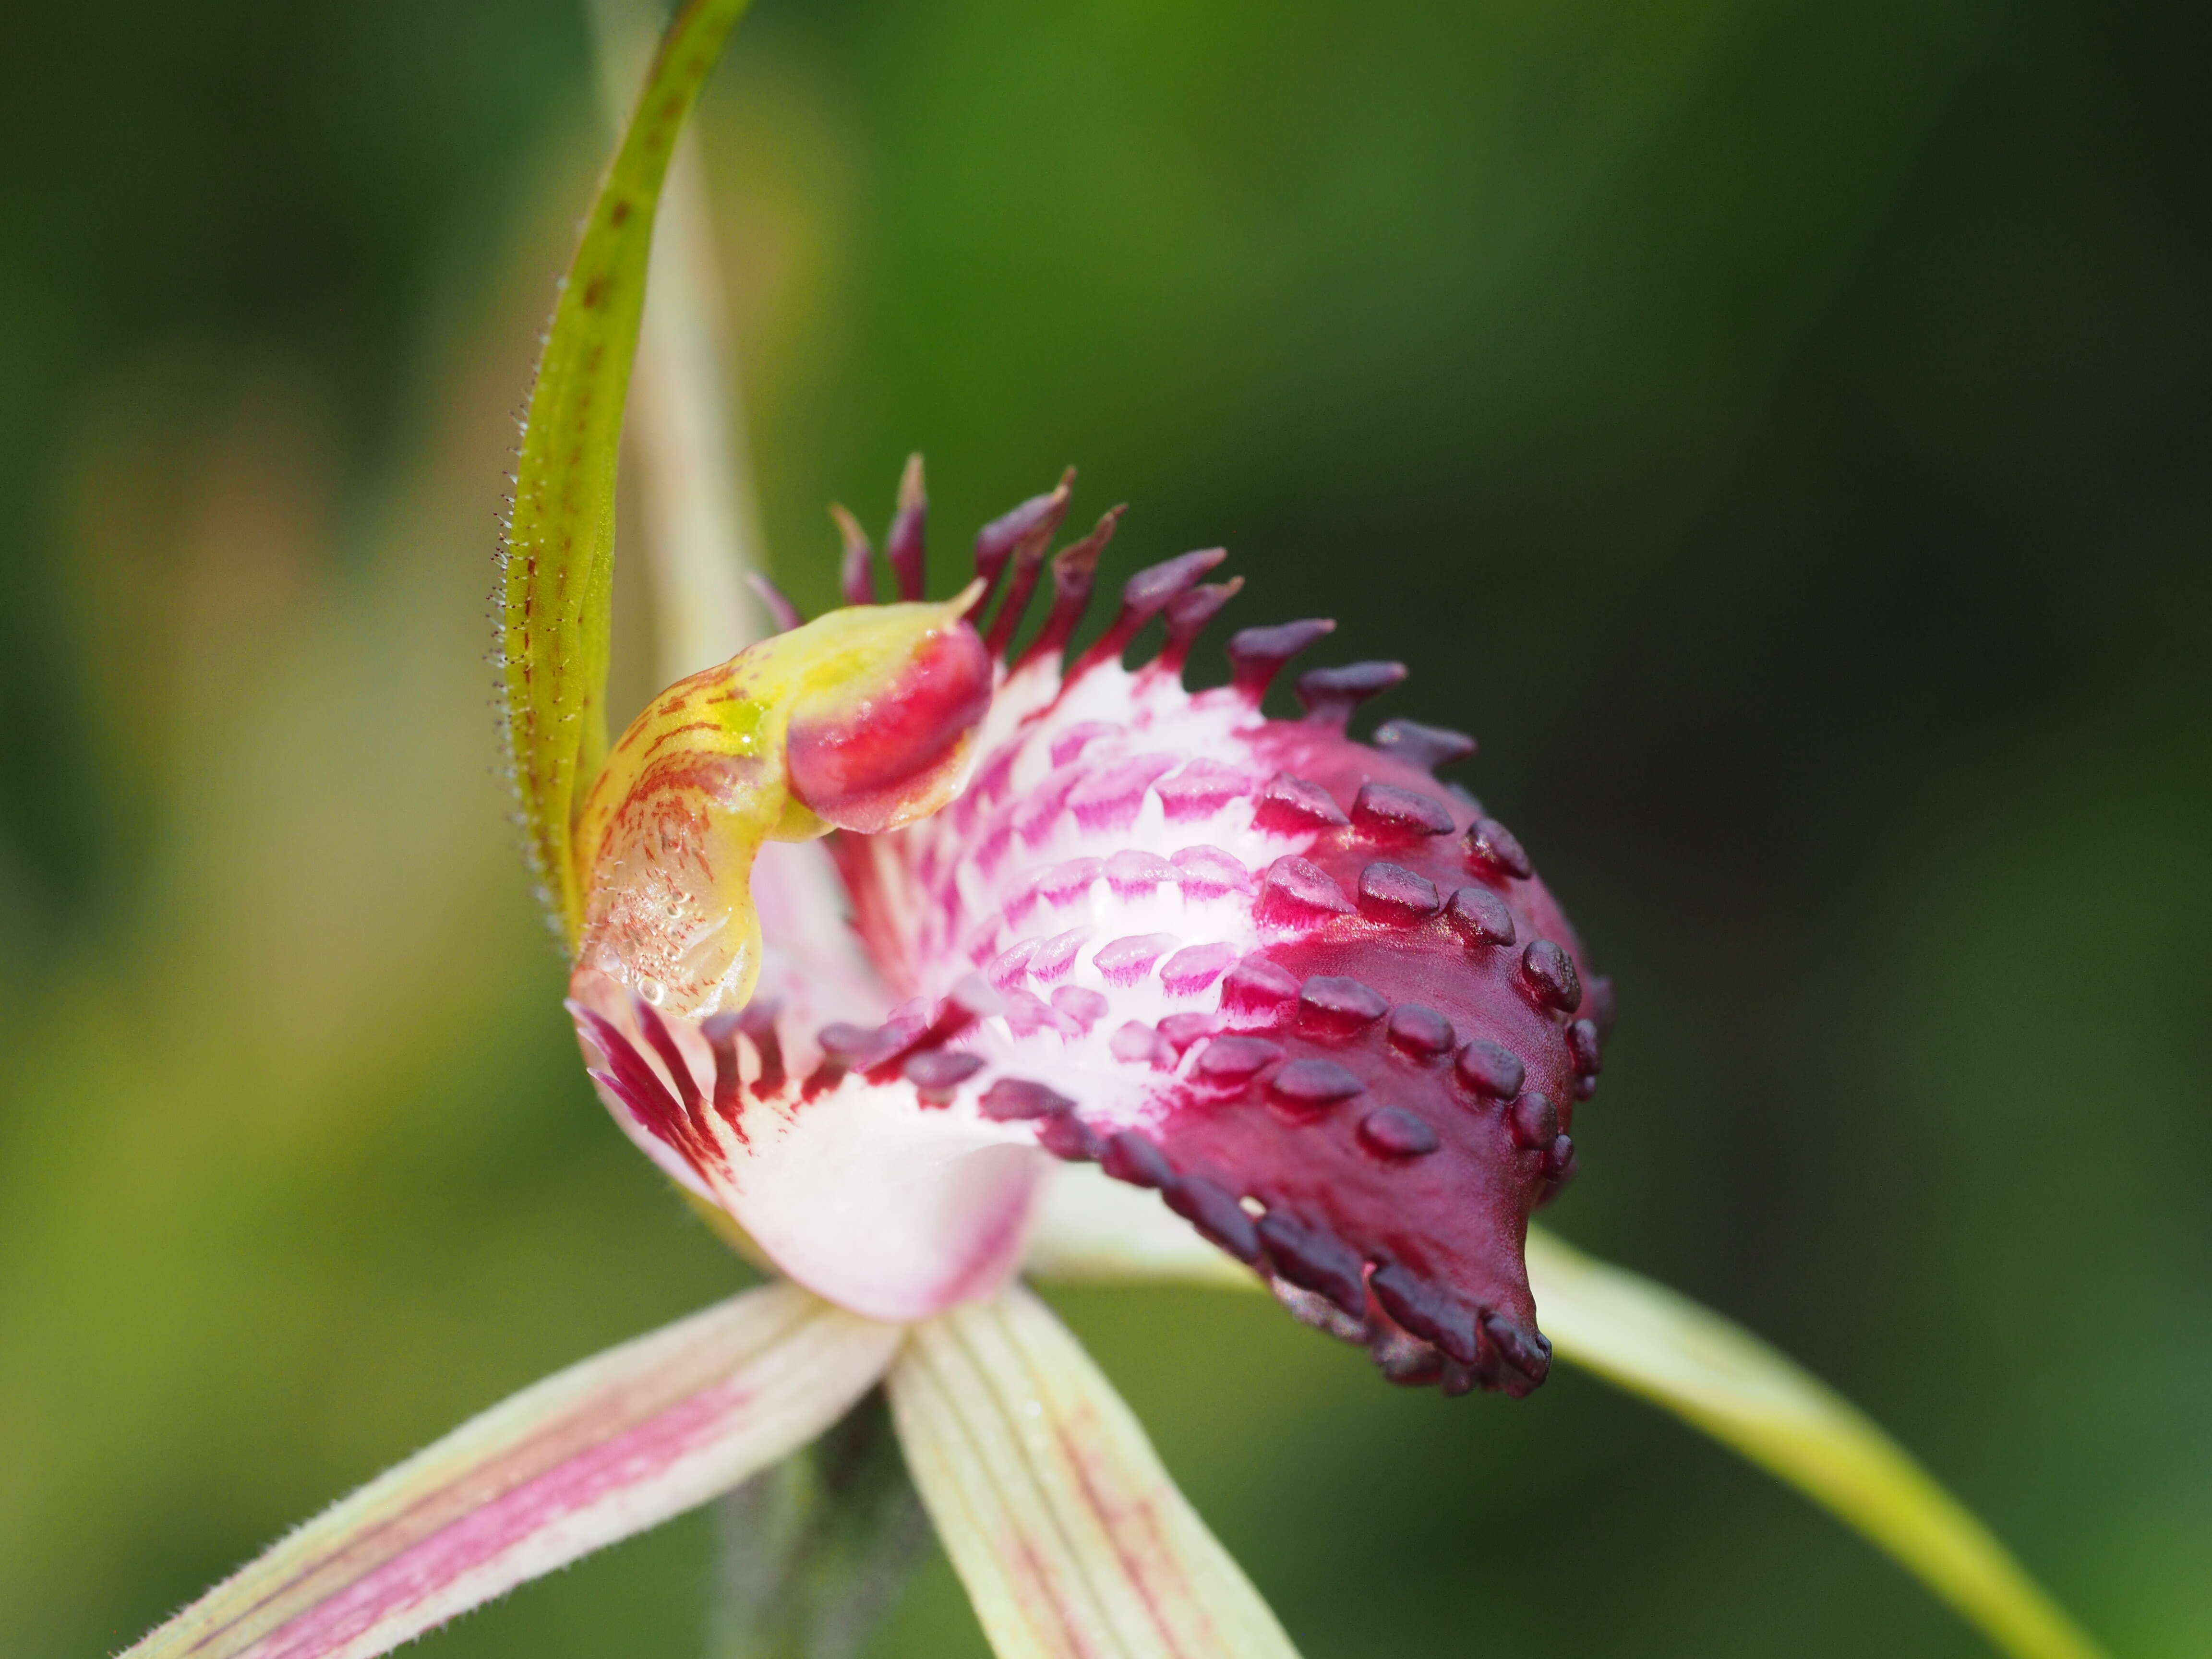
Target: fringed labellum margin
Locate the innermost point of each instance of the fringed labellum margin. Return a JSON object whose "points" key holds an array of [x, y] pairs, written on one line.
{"points": [[1318, 1000]]}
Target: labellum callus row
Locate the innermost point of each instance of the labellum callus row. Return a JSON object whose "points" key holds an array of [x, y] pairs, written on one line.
{"points": [[1316, 999]]}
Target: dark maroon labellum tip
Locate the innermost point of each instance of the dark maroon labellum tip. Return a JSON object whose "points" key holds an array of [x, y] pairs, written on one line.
{"points": [[1494, 849]]}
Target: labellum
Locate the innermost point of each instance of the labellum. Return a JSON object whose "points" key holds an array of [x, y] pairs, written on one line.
{"points": [[1318, 1000]]}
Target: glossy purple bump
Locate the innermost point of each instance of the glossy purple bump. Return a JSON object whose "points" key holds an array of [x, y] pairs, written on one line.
{"points": [[1390, 892], [1013, 1099], [936, 1073], [1534, 1122], [1491, 1068], [1290, 805], [1495, 850], [1233, 1060], [1422, 1033], [1329, 695], [1385, 809], [1214, 1211], [1424, 746], [1310, 1085], [1316, 1260], [1257, 985], [1547, 974], [1480, 916], [1297, 893], [1340, 1005], [1583, 1047], [1256, 655], [1127, 1156], [1396, 1132], [1431, 1314]]}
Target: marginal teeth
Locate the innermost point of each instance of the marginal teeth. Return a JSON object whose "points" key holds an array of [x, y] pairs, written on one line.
{"points": [[1210, 1208]]}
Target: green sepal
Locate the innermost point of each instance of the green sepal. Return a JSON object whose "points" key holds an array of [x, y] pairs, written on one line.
{"points": [[557, 575]]}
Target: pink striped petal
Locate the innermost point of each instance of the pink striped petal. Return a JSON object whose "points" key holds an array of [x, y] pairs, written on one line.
{"points": [[1069, 1535], [591, 1455]]}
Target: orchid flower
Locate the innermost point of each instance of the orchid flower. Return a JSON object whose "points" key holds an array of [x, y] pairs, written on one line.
{"points": [[921, 954]]}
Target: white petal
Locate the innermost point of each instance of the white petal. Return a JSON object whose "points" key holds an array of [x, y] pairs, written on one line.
{"points": [[1071, 1541], [593, 1454]]}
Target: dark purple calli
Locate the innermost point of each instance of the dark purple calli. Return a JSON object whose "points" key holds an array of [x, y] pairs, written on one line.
{"points": [[1317, 999]]}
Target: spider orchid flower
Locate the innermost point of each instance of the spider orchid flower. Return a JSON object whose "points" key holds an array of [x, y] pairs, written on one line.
{"points": [[922, 954]]}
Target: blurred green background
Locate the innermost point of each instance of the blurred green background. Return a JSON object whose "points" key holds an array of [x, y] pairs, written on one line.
{"points": [[1779, 430]]}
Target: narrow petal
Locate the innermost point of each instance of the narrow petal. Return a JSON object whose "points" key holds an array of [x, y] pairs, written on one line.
{"points": [[1651, 1341], [1722, 1378], [591, 1455], [1071, 1538]]}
